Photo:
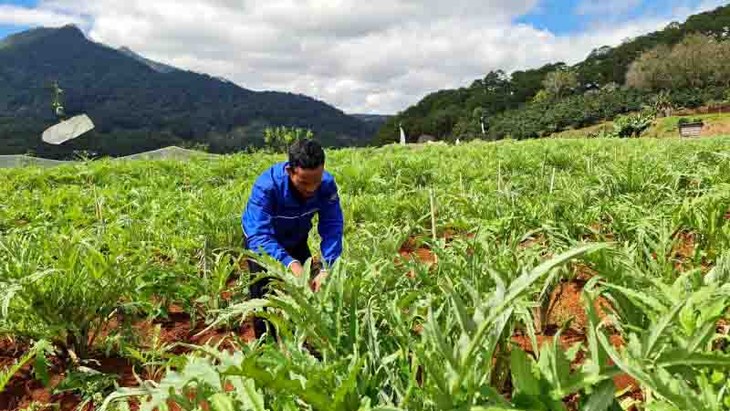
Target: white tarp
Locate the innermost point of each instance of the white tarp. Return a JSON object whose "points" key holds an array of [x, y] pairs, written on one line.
{"points": [[168, 153], [68, 129], [12, 161]]}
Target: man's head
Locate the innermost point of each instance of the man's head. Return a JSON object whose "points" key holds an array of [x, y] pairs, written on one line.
{"points": [[306, 167]]}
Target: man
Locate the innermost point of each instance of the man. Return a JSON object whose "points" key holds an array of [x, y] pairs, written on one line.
{"points": [[279, 212]]}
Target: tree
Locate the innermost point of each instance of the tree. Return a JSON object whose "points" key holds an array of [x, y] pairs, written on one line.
{"points": [[650, 71], [479, 116], [560, 83], [495, 81], [699, 61], [541, 96], [280, 138], [662, 105]]}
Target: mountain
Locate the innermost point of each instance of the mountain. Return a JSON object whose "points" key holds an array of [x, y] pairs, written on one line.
{"points": [[373, 121], [372, 118], [508, 99], [158, 67], [139, 105]]}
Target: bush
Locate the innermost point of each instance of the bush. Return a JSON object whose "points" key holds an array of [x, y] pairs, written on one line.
{"points": [[632, 125], [685, 120], [280, 138]]}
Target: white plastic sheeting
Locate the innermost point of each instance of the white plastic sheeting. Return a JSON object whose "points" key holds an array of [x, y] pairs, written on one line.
{"points": [[170, 152], [12, 161], [68, 129]]}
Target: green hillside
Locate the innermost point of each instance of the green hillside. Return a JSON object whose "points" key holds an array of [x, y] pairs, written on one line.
{"points": [[539, 102], [138, 105]]}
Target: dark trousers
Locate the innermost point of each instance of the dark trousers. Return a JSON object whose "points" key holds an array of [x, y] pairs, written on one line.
{"points": [[260, 288]]}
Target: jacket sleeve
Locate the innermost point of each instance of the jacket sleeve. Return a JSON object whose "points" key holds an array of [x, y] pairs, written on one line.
{"points": [[257, 223], [330, 227]]}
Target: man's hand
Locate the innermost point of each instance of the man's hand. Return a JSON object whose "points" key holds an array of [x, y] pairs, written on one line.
{"points": [[297, 269], [316, 283]]}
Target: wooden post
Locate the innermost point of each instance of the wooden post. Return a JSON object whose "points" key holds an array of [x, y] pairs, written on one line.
{"points": [[433, 214], [552, 181], [499, 176]]}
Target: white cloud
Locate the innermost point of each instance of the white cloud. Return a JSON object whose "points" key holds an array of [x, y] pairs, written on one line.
{"points": [[22, 16], [362, 56]]}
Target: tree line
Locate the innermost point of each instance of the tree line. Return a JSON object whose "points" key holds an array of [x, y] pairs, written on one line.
{"points": [[684, 64]]}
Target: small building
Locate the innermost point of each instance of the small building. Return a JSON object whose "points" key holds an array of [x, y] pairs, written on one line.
{"points": [[690, 130]]}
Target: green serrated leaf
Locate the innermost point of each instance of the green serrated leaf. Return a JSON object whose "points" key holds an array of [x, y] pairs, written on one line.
{"points": [[658, 329], [523, 379], [467, 324], [602, 397], [683, 358], [40, 368], [221, 402], [255, 399]]}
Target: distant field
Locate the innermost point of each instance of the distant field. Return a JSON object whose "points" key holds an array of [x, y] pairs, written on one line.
{"points": [[715, 125], [537, 275]]}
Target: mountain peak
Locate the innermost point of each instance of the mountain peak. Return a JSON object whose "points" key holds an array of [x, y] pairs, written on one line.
{"points": [[69, 32]]}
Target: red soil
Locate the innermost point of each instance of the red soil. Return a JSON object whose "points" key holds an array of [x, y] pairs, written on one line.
{"points": [[601, 233], [683, 250], [413, 250], [538, 240], [685, 246], [24, 389], [566, 305]]}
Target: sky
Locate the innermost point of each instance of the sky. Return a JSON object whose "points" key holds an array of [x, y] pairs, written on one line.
{"points": [[374, 56]]}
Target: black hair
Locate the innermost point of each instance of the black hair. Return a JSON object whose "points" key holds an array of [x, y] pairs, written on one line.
{"points": [[306, 154]]}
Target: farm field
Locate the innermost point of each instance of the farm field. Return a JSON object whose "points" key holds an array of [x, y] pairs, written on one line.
{"points": [[539, 275], [715, 125]]}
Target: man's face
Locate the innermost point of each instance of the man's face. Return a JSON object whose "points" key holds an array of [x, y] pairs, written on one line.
{"points": [[306, 181]]}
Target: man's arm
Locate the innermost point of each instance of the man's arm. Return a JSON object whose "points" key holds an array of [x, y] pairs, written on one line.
{"points": [[257, 222], [330, 227]]}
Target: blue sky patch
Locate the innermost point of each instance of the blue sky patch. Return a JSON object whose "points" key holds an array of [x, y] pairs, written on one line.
{"points": [[565, 17]]}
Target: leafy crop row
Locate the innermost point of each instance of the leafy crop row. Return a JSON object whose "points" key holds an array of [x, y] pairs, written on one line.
{"points": [[86, 250]]}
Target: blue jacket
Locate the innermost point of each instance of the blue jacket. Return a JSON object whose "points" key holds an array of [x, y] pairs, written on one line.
{"points": [[274, 219]]}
